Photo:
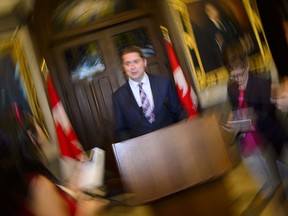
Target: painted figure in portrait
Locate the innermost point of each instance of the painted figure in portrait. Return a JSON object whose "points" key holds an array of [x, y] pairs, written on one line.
{"points": [[216, 23]]}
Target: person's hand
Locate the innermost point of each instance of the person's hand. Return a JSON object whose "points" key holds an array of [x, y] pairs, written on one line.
{"points": [[90, 206], [234, 129], [246, 129], [281, 95], [228, 128], [282, 102]]}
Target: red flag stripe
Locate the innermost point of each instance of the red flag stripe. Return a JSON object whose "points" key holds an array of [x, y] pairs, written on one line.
{"points": [[184, 90], [67, 139]]}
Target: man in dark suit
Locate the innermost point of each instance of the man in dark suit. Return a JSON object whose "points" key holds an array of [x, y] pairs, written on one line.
{"points": [[163, 105], [219, 31]]}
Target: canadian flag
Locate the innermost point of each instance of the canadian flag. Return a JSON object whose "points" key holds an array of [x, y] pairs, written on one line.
{"points": [[186, 94], [69, 145]]}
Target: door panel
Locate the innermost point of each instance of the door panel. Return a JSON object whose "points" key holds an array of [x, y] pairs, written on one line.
{"points": [[103, 93], [82, 91], [87, 112]]}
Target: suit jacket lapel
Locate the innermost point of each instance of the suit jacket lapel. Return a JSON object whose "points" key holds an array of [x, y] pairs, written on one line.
{"points": [[155, 92], [129, 95], [250, 85]]}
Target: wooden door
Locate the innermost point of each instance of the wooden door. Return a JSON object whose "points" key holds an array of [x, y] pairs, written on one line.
{"points": [[88, 92]]}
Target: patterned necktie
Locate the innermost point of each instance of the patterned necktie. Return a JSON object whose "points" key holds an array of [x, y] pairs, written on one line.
{"points": [[147, 109]]}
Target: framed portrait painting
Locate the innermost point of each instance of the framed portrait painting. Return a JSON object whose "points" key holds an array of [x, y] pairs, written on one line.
{"points": [[210, 25], [16, 85]]}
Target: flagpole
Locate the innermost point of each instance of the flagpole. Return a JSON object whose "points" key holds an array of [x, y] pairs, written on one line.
{"points": [[44, 68]]}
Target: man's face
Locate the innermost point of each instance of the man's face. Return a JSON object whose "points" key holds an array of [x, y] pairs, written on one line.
{"points": [[239, 73], [211, 12], [134, 66]]}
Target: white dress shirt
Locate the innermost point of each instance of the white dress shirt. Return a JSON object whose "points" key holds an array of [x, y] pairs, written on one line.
{"points": [[146, 87]]}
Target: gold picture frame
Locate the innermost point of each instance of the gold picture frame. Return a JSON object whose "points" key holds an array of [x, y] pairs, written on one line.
{"points": [[245, 12], [12, 53]]}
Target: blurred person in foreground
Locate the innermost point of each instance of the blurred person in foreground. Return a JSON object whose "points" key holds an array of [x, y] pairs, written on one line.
{"points": [[136, 115], [260, 142], [27, 187], [281, 101]]}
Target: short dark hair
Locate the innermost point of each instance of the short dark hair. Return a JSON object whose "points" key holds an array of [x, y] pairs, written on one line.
{"points": [[131, 49], [20, 158], [235, 54]]}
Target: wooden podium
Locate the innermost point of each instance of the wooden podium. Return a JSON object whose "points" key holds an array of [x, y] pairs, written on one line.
{"points": [[172, 159]]}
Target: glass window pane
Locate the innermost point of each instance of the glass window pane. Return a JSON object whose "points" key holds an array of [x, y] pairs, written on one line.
{"points": [[84, 61], [136, 37]]}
